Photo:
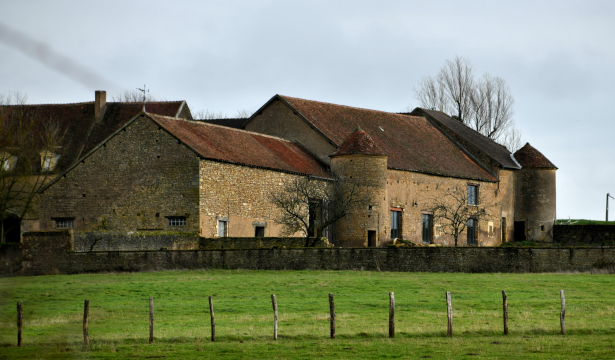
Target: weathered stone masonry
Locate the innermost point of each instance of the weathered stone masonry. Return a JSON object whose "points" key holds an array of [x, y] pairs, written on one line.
{"points": [[136, 180]]}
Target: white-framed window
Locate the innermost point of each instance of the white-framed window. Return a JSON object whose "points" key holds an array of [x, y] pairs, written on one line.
{"points": [[65, 223], [177, 220], [472, 194]]}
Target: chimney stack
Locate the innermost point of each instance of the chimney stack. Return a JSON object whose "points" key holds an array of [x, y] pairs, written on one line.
{"points": [[100, 103]]}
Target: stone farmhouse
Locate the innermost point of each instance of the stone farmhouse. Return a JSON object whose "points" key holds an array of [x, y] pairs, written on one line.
{"points": [[159, 170]]}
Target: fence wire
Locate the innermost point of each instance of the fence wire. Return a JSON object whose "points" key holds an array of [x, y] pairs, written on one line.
{"points": [[121, 317]]}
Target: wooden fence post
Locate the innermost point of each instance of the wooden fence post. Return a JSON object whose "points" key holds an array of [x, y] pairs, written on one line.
{"points": [[86, 314], [391, 315], [275, 317], [563, 312], [332, 309], [151, 320], [505, 308], [213, 321], [449, 313], [19, 323]]}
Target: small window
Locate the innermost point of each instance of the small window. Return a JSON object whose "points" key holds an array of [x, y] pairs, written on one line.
{"points": [[395, 224], [427, 228], [259, 231], [472, 194], [222, 228], [471, 230], [177, 220], [66, 223], [49, 160], [8, 163]]}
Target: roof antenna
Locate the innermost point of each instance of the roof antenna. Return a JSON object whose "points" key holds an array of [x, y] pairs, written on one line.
{"points": [[144, 91]]}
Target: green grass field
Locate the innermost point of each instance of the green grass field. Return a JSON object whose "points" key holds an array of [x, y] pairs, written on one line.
{"points": [[119, 315]]}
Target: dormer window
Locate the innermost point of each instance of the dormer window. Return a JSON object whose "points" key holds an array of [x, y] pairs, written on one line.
{"points": [[8, 162], [49, 160]]}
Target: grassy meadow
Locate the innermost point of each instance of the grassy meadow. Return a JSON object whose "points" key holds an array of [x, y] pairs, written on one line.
{"points": [[119, 315]]}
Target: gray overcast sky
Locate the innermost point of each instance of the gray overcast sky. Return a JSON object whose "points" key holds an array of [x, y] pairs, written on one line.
{"points": [[558, 58]]}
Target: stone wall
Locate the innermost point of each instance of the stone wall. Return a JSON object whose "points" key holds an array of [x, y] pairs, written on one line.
{"points": [[105, 241], [239, 195], [584, 234], [413, 193], [44, 257], [134, 181], [257, 243]]}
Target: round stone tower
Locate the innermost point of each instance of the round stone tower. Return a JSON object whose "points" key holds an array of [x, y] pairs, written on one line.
{"points": [[361, 164], [534, 195]]}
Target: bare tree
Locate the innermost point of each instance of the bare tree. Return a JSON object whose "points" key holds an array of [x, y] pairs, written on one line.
{"points": [[452, 211], [486, 105], [212, 115], [309, 205], [208, 115], [29, 150]]}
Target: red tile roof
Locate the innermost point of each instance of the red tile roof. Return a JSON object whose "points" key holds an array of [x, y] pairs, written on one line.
{"points": [[226, 144], [411, 142], [529, 157], [359, 143], [77, 124]]}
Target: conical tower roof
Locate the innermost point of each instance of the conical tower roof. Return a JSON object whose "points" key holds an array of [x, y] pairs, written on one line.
{"points": [[359, 143], [529, 157]]}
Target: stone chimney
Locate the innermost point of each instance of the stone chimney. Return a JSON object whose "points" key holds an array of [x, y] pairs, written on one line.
{"points": [[100, 103]]}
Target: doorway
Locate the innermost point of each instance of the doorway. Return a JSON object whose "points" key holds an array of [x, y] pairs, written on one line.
{"points": [[371, 238]]}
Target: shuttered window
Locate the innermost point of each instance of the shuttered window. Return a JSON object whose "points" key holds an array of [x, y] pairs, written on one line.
{"points": [[472, 231]]}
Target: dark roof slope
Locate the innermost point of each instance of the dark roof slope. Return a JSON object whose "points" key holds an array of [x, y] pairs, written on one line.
{"points": [[410, 142], [242, 147], [358, 143], [79, 131], [529, 157], [487, 146], [235, 123]]}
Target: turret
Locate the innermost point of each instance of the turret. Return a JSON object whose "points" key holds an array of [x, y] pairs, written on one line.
{"points": [[534, 195], [360, 163]]}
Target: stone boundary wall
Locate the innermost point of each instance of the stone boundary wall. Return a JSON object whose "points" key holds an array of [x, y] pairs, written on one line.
{"points": [[236, 243], [584, 234], [137, 241], [105, 241], [51, 253]]}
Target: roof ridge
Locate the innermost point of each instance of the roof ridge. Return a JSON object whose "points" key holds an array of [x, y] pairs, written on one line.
{"points": [[347, 106]]}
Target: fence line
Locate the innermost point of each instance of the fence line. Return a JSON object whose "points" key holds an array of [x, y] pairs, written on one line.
{"points": [[391, 320]]}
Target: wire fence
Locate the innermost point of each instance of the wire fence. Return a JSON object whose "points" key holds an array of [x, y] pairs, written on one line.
{"points": [[305, 315]]}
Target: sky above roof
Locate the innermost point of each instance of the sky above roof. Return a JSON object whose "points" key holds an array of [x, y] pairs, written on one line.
{"points": [[558, 57]]}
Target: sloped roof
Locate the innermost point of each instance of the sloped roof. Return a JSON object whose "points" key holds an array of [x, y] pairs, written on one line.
{"points": [[78, 128], [529, 157], [358, 143], [410, 142], [489, 147], [226, 144]]}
